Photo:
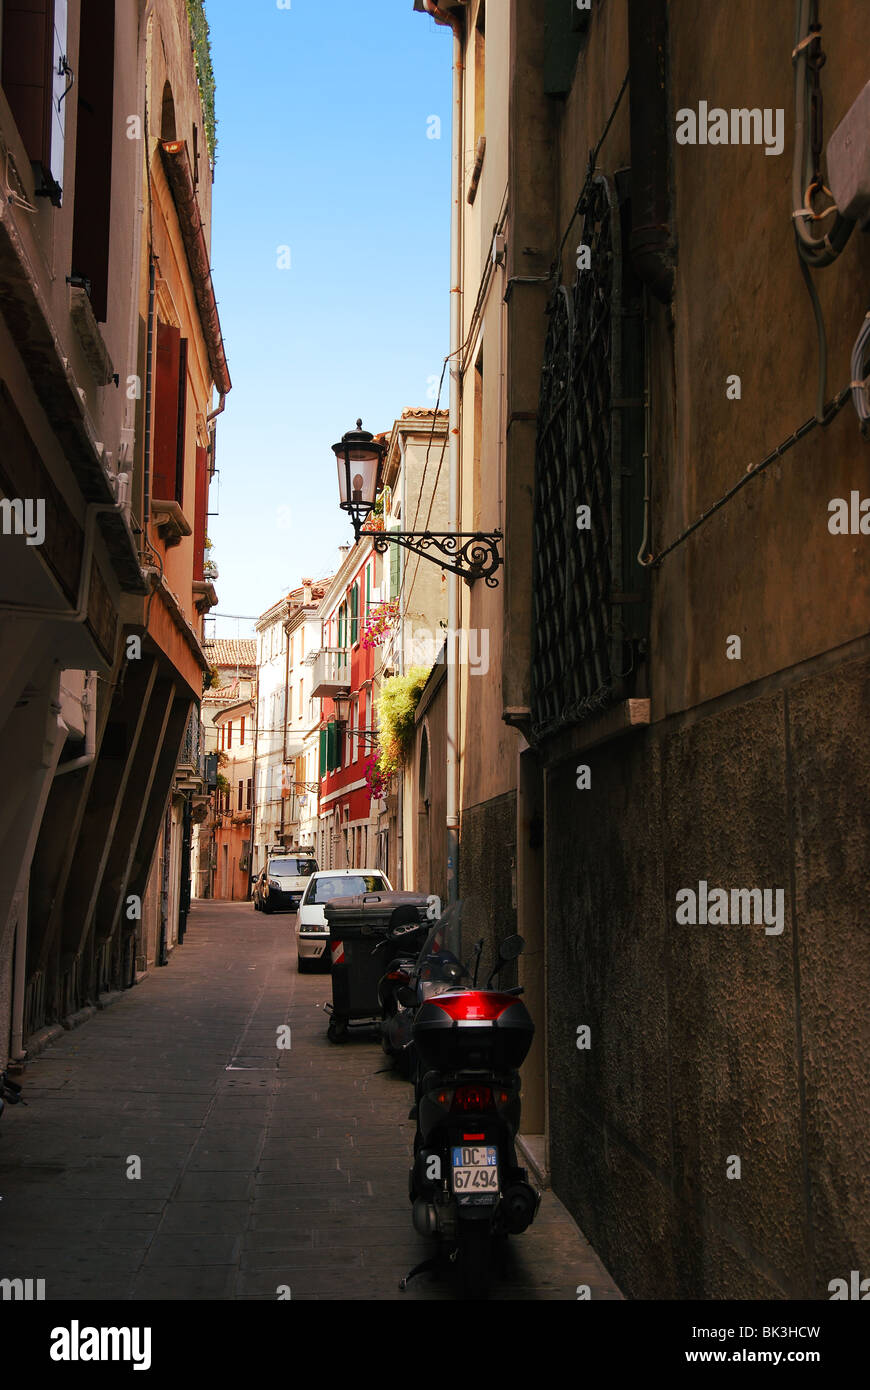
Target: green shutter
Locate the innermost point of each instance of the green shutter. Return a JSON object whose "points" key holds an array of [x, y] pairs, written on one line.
{"points": [[323, 752], [354, 619], [332, 746]]}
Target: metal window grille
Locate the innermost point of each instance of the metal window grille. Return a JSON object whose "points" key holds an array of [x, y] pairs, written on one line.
{"points": [[589, 453]]}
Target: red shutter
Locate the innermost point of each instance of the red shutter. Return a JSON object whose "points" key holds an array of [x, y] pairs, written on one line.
{"points": [[200, 512], [182, 416], [166, 379], [28, 50]]}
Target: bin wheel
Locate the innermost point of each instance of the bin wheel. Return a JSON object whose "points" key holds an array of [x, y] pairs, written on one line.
{"points": [[337, 1030]]}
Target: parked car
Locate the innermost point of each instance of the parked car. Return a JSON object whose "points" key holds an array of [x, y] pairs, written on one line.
{"points": [[257, 890], [312, 932], [279, 887]]}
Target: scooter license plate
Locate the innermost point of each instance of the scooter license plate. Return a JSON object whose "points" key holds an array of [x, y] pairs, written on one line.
{"points": [[475, 1173]]}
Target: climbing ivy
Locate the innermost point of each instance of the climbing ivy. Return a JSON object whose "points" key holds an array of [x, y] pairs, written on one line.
{"points": [[201, 46]]}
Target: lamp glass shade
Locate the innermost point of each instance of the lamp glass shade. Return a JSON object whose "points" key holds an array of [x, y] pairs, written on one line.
{"points": [[358, 476]]}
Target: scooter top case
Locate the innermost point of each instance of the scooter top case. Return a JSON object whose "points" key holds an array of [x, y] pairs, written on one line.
{"points": [[474, 1028]]}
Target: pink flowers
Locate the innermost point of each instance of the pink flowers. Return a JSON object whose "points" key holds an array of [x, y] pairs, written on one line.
{"points": [[376, 782], [379, 623]]}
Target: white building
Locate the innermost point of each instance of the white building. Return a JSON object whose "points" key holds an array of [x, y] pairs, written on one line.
{"points": [[285, 715]]}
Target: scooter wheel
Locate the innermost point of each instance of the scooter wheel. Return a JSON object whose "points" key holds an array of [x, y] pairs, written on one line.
{"points": [[337, 1030]]}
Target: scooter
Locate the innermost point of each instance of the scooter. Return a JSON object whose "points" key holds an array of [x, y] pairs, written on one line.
{"points": [[405, 933], [10, 1092], [467, 1188]]}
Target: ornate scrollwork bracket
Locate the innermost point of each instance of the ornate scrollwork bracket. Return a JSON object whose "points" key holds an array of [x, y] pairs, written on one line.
{"points": [[472, 555]]}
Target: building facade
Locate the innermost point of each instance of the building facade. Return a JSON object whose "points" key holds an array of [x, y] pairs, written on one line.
{"points": [[285, 795], [104, 231], [223, 818], [679, 642]]}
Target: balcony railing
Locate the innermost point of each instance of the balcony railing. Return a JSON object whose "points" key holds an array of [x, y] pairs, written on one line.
{"points": [[331, 672]]}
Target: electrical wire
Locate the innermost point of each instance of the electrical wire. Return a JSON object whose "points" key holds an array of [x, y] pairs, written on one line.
{"points": [[832, 409]]}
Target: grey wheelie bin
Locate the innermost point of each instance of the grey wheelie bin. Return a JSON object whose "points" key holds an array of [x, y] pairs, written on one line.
{"points": [[361, 949]]}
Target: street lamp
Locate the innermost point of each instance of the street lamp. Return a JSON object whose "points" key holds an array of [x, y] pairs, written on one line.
{"points": [[359, 457], [470, 554]]}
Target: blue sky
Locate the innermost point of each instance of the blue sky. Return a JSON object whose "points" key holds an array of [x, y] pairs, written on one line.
{"points": [[322, 111]]}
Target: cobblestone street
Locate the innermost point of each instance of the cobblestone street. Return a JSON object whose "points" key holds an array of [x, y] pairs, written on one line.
{"points": [[260, 1168]]}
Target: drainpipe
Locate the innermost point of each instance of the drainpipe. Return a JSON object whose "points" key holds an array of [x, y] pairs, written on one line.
{"points": [[453, 596], [652, 243]]}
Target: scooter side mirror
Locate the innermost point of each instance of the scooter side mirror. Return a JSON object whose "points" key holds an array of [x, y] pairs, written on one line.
{"points": [[511, 947]]}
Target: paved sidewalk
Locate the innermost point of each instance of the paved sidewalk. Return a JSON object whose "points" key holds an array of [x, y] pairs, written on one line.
{"points": [[260, 1168]]}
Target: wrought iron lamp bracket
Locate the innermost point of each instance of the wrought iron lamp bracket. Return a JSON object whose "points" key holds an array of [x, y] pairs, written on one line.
{"points": [[477, 557]]}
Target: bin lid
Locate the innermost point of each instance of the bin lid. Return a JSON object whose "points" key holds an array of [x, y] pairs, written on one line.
{"points": [[373, 908]]}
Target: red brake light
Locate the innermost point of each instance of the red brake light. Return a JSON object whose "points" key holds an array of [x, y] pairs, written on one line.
{"points": [[472, 1098], [474, 1004], [473, 1136]]}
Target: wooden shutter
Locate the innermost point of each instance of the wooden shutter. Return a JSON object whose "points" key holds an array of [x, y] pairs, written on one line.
{"points": [[182, 418], [354, 620], [93, 187], [322, 752], [166, 378], [28, 50], [200, 513]]}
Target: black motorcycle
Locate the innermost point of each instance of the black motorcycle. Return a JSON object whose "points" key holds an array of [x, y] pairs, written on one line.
{"points": [[10, 1092], [467, 1188]]}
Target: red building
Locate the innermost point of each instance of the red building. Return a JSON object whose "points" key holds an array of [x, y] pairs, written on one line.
{"points": [[346, 675]]}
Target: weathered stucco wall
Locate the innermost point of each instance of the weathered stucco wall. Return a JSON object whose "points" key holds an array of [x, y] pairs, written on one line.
{"points": [[712, 1041]]}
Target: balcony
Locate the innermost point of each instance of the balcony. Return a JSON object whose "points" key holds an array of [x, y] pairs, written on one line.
{"points": [[331, 673]]}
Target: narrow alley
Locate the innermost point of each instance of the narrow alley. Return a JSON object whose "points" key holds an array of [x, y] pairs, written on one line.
{"points": [[262, 1169]]}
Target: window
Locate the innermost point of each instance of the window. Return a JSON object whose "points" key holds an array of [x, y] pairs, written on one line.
{"points": [[301, 688], [342, 626], [200, 512], [242, 731], [170, 404], [343, 886], [35, 75], [395, 564], [590, 594], [354, 615], [230, 734], [249, 792], [241, 798], [322, 750], [94, 89], [333, 750]]}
